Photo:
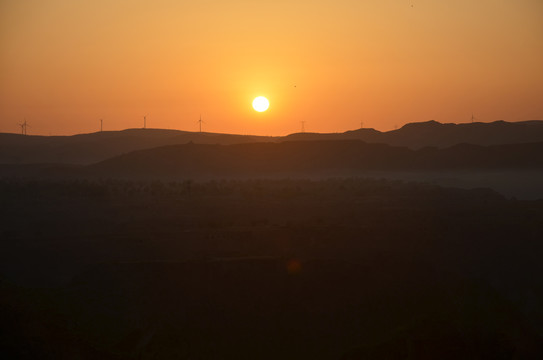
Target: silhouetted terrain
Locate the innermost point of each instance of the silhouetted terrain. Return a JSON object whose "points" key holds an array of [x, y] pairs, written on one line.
{"points": [[90, 148], [435, 134], [310, 157], [515, 170], [268, 269], [158, 244]]}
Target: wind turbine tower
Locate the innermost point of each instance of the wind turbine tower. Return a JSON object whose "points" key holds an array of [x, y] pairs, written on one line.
{"points": [[144, 121], [101, 125], [303, 125]]}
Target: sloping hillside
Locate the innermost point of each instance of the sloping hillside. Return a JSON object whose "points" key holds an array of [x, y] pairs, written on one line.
{"points": [[348, 157]]}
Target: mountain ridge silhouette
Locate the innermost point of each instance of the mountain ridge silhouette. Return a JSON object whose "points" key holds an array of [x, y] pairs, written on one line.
{"points": [[90, 148]]}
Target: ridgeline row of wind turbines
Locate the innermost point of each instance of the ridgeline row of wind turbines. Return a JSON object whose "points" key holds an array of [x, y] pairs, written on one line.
{"points": [[25, 125]]}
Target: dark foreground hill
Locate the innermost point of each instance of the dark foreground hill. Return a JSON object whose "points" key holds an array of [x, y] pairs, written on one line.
{"points": [[90, 148], [346, 269], [311, 158]]}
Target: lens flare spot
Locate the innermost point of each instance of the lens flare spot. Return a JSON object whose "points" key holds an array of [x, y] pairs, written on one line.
{"points": [[294, 266]]}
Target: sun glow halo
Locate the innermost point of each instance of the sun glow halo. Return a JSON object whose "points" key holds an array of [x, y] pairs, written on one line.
{"points": [[261, 104]]}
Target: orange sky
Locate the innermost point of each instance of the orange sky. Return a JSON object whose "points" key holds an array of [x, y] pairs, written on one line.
{"points": [[65, 64]]}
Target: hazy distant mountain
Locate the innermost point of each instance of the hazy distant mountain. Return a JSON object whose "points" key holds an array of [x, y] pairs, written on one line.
{"points": [[433, 133], [95, 147], [331, 158]]}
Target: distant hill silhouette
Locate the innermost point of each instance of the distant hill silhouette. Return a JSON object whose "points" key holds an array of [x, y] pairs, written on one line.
{"points": [[95, 147], [433, 133], [337, 158]]}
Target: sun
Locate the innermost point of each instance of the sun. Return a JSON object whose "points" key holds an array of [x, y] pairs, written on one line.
{"points": [[261, 104]]}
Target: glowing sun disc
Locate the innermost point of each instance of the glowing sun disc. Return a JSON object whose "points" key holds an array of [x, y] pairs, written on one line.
{"points": [[261, 104]]}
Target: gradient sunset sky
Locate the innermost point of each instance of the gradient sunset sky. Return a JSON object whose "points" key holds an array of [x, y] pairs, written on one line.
{"points": [[65, 64]]}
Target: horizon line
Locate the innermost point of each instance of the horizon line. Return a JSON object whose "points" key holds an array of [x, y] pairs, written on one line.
{"points": [[287, 134]]}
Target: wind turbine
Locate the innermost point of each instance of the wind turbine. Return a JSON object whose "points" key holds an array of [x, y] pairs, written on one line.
{"points": [[23, 127], [201, 121]]}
